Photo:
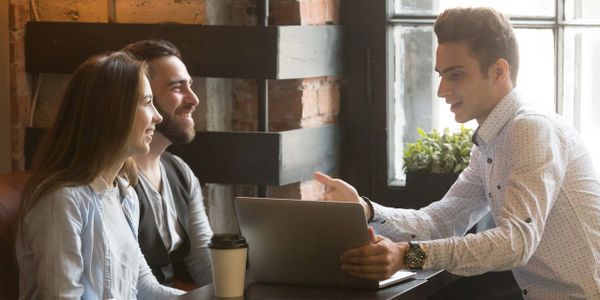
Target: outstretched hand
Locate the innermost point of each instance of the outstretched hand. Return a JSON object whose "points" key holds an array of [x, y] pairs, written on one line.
{"points": [[378, 260], [338, 189]]}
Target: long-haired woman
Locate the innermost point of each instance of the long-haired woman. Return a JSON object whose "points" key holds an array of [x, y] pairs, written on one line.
{"points": [[79, 214]]}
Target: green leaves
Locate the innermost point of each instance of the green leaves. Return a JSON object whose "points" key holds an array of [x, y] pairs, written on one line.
{"points": [[439, 153]]}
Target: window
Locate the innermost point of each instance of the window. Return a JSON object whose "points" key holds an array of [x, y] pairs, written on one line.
{"points": [[557, 42]]}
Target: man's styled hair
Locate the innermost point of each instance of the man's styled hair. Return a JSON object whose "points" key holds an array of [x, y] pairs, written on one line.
{"points": [[150, 49], [487, 32]]}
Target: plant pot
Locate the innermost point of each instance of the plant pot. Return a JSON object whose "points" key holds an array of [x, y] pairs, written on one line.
{"points": [[424, 187], [438, 184], [416, 182]]}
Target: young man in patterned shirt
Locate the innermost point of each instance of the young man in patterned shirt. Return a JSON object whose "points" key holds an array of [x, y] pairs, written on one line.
{"points": [[530, 170]]}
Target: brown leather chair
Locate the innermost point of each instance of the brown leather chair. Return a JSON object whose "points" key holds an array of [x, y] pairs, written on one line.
{"points": [[11, 186]]}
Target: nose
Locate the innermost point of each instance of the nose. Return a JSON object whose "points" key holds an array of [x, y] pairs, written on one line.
{"points": [[191, 97], [156, 117], [443, 89]]}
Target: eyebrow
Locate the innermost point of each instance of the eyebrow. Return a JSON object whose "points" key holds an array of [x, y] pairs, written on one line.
{"points": [[446, 70], [179, 81]]}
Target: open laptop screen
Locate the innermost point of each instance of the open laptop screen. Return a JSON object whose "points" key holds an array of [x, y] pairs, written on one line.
{"points": [[300, 241]]}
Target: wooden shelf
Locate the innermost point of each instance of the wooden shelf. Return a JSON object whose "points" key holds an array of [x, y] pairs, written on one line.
{"points": [[272, 158], [273, 52]]}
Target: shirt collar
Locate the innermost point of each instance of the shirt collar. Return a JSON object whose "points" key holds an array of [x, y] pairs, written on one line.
{"points": [[500, 115], [122, 184]]}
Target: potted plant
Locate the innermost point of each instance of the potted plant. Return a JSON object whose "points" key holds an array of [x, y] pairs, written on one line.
{"points": [[434, 161]]}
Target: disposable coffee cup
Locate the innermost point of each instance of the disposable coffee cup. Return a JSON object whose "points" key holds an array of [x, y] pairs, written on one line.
{"points": [[228, 257]]}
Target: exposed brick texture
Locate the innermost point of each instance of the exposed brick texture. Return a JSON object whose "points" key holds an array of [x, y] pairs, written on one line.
{"points": [[243, 12], [72, 10], [144, 11], [19, 85], [293, 104], [289, 12], [18, 15], [285, 12]]}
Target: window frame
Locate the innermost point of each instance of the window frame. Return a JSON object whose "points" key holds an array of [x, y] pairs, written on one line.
{"points": [[369, 86]]}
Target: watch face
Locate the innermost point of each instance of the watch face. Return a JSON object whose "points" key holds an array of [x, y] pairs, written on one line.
{"points": [[415, 256]]}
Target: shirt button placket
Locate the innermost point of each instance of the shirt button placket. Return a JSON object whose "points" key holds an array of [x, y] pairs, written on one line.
{"points": [[489, 161]]}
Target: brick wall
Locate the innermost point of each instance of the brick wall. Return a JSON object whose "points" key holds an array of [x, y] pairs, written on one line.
{"points": [[49, 87], [19, 84], [294, 103], [224, 104]]}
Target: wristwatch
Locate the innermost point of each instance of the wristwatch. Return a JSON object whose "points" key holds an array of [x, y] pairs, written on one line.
{"points": [[415, 256]]}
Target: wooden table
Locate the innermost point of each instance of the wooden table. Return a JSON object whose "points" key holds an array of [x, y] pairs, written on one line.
{"points": [[424, 284]]}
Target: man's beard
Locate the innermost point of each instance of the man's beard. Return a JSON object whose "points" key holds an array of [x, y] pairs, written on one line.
{"points": [[173, 130]]}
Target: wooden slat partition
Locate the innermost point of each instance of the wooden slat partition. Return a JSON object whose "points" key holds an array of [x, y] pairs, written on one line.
{"points": [[272, 158], [273, 52]]}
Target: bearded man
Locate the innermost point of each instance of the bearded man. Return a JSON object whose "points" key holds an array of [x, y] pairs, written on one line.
{"points": [[174, 231]]}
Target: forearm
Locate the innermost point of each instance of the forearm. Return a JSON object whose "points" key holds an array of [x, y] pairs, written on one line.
{"points": [[441, 219], [199, 266], [147, 285], [498, 249], [401, 224], [198, 261]]}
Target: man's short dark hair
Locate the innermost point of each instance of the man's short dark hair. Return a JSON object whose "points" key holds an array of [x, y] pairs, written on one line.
{"points": [[487, 32], [148, 50]]}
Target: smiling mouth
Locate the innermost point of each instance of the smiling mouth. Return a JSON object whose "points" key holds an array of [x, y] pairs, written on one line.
{"points": [[185, 118], [185, 110], [455, 106]]}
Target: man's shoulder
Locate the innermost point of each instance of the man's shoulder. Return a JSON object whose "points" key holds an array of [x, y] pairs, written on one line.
{"points": [[174, 161], [540, 120], [177, 169]]}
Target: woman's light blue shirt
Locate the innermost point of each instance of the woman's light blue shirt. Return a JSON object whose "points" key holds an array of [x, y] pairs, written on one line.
{"points": [[64, 253]]}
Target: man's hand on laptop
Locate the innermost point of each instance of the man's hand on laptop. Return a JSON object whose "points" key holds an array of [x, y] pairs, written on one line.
{"points": [[339, 190], [378, 260]]}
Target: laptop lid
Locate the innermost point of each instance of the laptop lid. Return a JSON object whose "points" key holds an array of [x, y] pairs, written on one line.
{"points": [[300, 241]]}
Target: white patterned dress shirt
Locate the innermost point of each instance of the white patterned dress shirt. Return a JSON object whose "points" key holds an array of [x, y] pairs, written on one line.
{"points": [[533, 172]]}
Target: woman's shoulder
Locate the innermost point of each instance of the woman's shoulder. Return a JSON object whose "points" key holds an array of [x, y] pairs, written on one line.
{"points": [[78, 197], [67, 204]]}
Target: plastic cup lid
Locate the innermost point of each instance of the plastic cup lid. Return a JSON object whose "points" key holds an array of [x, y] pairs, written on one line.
{"points": [[227, 241]]}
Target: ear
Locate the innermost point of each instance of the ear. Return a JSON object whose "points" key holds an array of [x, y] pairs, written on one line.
{"points": [[500, 71]]}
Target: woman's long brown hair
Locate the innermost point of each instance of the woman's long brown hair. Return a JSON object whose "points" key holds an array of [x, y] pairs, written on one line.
{"points": [[91, 128]]}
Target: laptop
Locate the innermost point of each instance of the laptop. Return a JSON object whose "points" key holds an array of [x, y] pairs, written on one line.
{"points": [[300, 241]]}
